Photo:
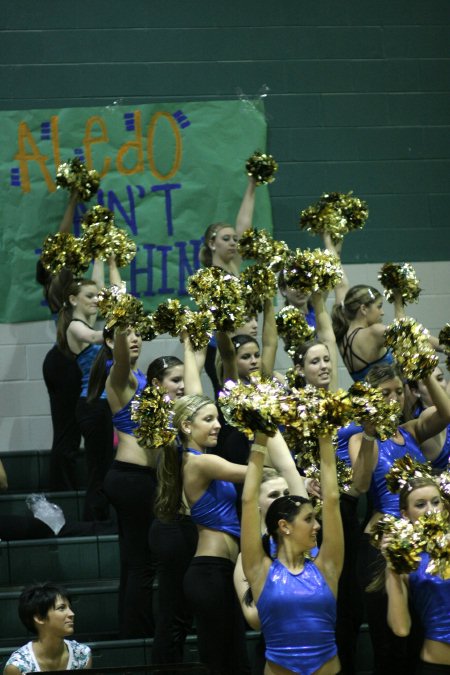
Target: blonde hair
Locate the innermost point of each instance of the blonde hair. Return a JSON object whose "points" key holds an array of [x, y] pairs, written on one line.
{"points": [[169, 493]]}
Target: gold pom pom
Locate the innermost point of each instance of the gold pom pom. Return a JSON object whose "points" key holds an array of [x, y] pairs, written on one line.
{"points": [[411, 347], [199, 326], [108, 297], [259, 245], [444, 340], [294, 379], [146, 328], [317, 412], [259, 284], [402, 277], [433, 531], [96, 226], [75, 177], [310, 271], [123, 311], [335, 213], [261, 167], [166, 315], [253, 406], [405, 469], [173, 318], [123, 247], [63, 250], [293, 328], [152, 409], [444, 486], [403, 549], [370, 406], [222, 294]]}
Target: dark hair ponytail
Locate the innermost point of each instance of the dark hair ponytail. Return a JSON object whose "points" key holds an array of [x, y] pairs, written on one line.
{"points": [[339, 321], [99, 369]]}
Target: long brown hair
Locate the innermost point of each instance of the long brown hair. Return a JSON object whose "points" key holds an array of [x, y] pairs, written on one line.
{"points": [[169, 493], [66, 315]]}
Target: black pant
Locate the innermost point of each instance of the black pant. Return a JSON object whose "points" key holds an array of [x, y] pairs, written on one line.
{"points": [[173, 545], [62, 378], [349, 609], [209, 589], [95, 421], [130, 489]]}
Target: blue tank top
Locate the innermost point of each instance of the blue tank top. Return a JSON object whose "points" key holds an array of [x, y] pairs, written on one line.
{"points": [[216, 508], [298, 618], [122, 419], [388, 451], [385, 360], [431, 599], [85, 359], [344, 435]]}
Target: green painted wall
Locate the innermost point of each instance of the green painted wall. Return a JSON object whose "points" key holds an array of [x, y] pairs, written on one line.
{"points": [[358, 93]]}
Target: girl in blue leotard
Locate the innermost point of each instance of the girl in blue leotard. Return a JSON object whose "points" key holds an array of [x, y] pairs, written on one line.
{"points": [[295, 597], [429, 594]]}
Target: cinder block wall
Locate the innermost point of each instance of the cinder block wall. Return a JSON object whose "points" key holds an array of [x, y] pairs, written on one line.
{"points": [[356, 96]]}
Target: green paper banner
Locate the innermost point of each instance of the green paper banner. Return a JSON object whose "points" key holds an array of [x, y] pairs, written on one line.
{"points": [[167, 170]]}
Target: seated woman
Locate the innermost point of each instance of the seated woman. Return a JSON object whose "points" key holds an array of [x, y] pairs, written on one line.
{"points": [[429, 593], [45, 611]]}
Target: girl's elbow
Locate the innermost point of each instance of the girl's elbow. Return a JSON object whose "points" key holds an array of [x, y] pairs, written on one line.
{"points": [[400, 629]]}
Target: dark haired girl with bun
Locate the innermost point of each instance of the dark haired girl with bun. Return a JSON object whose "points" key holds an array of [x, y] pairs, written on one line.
{"points": [[295, 596]]}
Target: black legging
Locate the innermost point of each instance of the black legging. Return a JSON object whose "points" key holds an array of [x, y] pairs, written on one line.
{"points": [[173, 545], [209, 589], [62, 378], [95, 421], [349, 609], [131, 488]]}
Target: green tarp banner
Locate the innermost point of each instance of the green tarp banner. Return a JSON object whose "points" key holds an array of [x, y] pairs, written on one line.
{"points": [[168, 170]]}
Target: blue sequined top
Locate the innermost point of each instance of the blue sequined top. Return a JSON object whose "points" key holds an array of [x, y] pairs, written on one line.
{"points": [[216, 508], [122, 419], [430, 595], [298, 618], [388, 451]]}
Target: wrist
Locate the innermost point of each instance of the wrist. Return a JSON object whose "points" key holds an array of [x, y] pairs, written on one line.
{"points": [[368, 437], [261, 449]]}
